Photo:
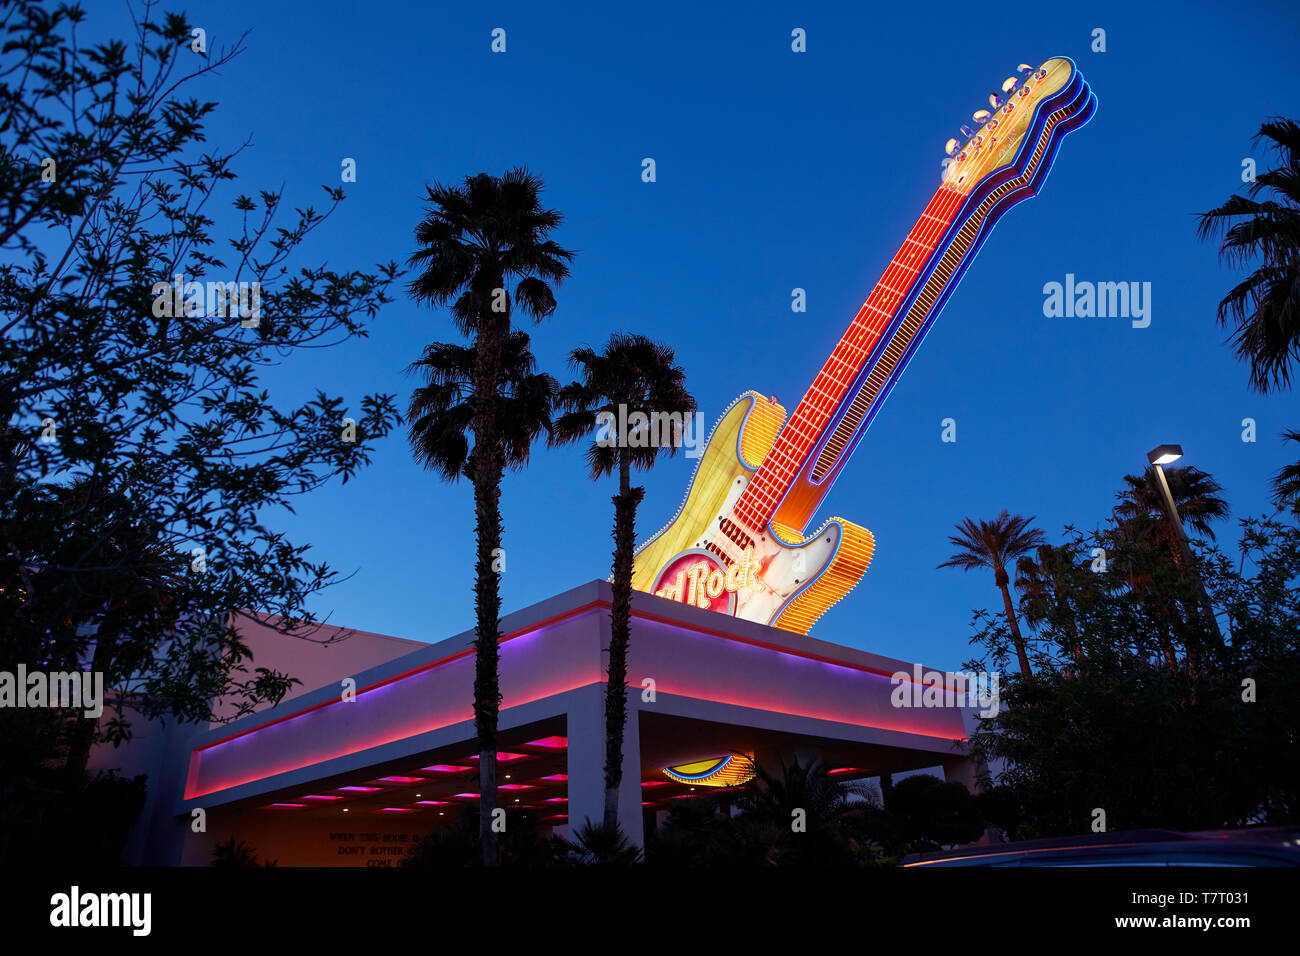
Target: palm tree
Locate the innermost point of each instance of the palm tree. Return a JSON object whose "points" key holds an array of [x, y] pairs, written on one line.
{"points": [[768, 805], [1047, 584], [1141, 514], [1265, 306], [475, 241], [1286, 484], [441, 417], [1195, 495], [631, 377], [441, 412], [994, 544]]}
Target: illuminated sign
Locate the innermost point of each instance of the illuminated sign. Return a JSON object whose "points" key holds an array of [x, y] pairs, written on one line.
{"points": [[739, 544], [729, 770], [698, 577]]}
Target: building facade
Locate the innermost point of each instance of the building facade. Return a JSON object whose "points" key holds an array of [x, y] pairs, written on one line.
{"points": [[377, 747]]}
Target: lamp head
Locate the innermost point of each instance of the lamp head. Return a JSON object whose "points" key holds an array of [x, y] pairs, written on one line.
{"points": [[1165, 454]]}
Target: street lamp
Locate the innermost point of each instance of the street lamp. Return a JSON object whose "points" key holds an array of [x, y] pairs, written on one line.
{"points": [[1165, 454], [1160, 456]]}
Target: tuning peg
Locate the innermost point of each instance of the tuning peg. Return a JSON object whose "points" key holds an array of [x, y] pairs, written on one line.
{"points": [[994, 100], [967, 131], [981, 116], [1009, 84], [945, 163], [1024, 69]]}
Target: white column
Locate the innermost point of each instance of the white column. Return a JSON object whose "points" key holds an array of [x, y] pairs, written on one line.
{"points": [[586, 732]]}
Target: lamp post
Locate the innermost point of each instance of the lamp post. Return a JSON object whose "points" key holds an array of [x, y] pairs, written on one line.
{"points": [[1158, 457]]}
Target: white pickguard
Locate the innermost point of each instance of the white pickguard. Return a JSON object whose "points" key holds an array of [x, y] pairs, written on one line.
{"points": [[786, 567]]}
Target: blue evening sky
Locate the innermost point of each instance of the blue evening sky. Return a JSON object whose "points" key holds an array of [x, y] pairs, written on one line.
{"points": [[776, 170]]}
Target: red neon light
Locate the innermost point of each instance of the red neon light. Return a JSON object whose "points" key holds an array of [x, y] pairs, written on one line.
{"points": [[556, 800], [549, 743], [402, 779], [505, 757], [432, 665], [434, 803], [466, 796], [516, 786], [191, 790], [284, 806], [556, 777], [360, 789], [396, 810], [319, 796], [447, 768]]}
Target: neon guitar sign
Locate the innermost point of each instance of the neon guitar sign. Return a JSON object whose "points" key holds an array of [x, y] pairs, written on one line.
{"points": [[737, 545]]}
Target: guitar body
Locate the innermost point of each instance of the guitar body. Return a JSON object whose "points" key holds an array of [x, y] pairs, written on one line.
{"points": [[800, 576]]}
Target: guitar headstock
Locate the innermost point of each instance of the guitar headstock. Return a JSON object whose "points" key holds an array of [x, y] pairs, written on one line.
{"points": [[990, 141]]}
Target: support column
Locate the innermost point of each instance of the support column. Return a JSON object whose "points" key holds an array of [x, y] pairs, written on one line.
{"points": [[964, 767], [586, 755]]}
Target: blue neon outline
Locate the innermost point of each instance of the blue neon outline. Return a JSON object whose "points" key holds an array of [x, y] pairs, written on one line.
{"points": [[701, 776]]}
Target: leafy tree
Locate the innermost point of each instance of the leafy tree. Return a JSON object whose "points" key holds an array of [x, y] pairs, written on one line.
{"points": [[935, 812], [995, 544], [1049, 585], [476, 240], [142, 456], [631, 379], [1150, 744]]}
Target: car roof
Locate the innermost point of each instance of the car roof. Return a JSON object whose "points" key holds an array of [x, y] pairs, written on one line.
{"points": [[1133, 839]]}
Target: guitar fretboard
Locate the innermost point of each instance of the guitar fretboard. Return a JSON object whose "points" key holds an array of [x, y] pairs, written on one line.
{"points": [[806, 426]]}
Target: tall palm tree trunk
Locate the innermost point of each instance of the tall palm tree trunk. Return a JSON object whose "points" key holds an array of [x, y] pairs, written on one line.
{"points": [[625, 505], [488, 466], [1016, 637], [1182, 554]]}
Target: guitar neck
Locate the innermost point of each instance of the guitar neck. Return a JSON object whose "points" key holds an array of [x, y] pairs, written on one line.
{"points": [[805, 428]]}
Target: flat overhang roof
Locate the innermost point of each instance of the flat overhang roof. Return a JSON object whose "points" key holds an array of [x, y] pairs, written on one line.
{"points": [[704, 667]]}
